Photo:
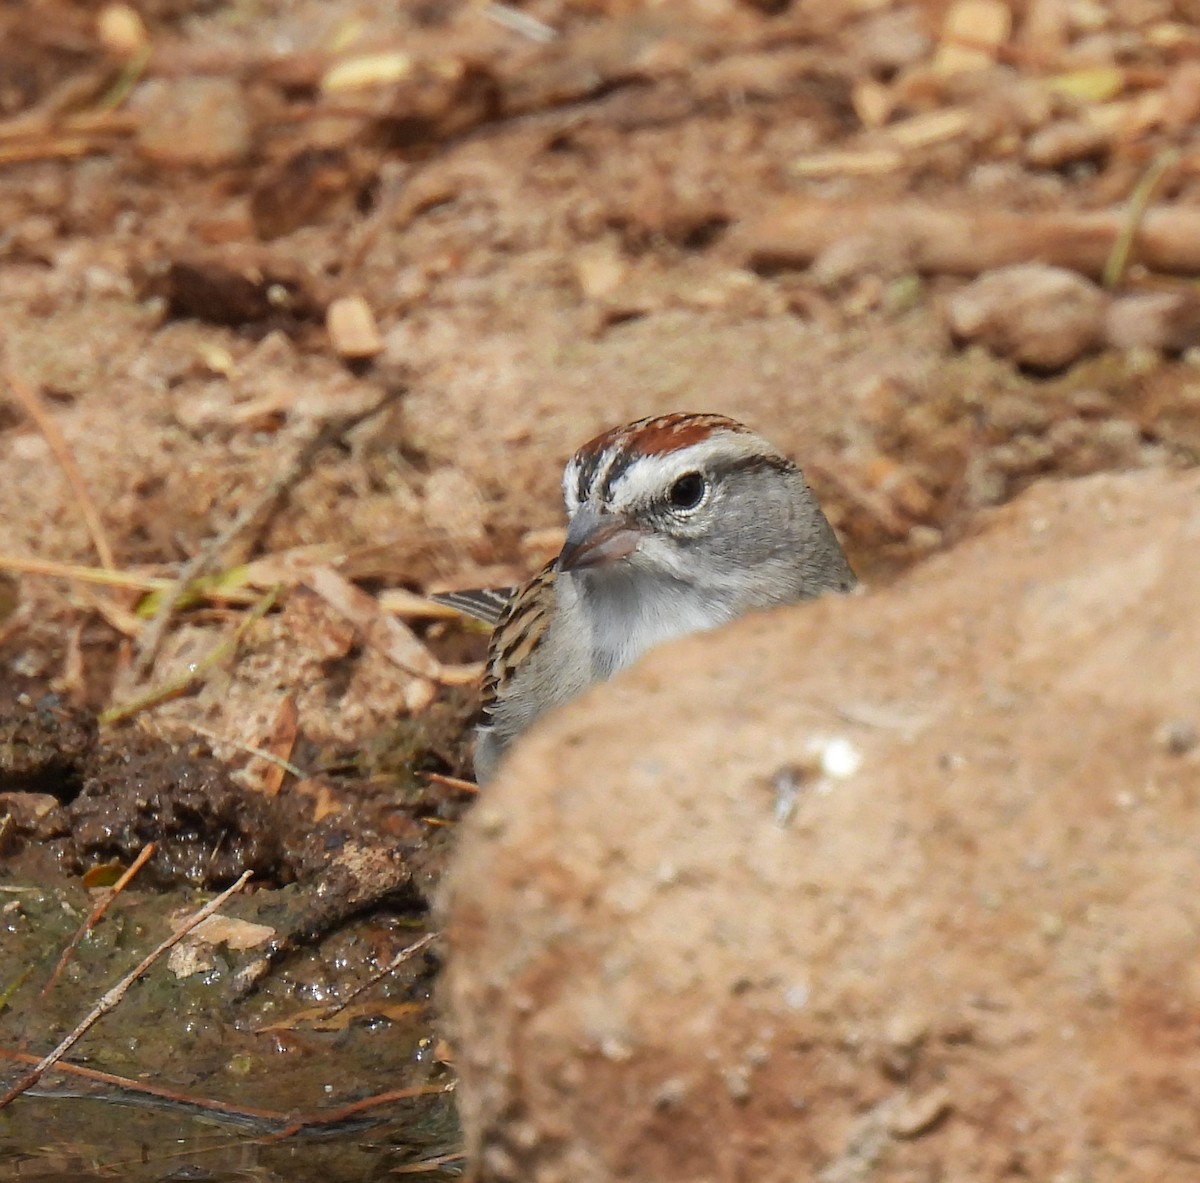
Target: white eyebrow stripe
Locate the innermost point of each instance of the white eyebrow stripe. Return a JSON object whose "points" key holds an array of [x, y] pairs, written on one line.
{"points": [[570, 485], [651, 475]]}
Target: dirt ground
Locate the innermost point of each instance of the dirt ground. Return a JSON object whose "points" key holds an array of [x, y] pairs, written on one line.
{"points": [[302, 308]]}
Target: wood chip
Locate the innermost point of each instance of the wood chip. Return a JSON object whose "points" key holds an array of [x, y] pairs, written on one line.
{"points": [[352, 328], [972, 34], [1092, 84], [398, 643], [122, 31], [933, 128], [873, 102], [868, 162], [371, 69]]}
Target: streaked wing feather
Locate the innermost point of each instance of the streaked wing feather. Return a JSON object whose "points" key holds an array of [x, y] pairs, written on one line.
{"points": [[517, 634], [481, 603]]}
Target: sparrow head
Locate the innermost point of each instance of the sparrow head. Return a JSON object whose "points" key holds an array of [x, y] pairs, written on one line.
{"points": [[698, 500]]}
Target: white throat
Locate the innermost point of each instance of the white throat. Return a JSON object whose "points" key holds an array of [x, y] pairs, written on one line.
{"points": [[629, 614]]}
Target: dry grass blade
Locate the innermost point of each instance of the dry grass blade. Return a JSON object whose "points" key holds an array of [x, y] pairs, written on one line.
{"points": [[427, 1165], [394, 639], [52, 148], [111, 998], [80, 574], [32, 404], [174, 689], [208, 588], [249, 748], [1139, 201]]}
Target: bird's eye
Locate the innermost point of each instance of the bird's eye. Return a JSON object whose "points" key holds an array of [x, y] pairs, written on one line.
{"points": [[688, 491]]}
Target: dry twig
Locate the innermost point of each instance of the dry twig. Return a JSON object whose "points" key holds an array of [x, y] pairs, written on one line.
{"points": [[937, 240], [272, 1120], [451, 782], [32, 404], [97, 912], [395, 963]]}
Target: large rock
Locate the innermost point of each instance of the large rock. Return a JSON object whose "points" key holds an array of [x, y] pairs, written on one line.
{"points": [[974, 957]]}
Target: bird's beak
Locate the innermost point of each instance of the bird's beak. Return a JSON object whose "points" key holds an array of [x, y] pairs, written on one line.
{"points": [[594, 539]]}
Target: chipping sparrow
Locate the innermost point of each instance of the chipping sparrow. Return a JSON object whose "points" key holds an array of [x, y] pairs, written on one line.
{"points": [[675, 524]]}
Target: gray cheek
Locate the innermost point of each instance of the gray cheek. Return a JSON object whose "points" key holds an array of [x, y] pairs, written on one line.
{"points": [[747, 534]]}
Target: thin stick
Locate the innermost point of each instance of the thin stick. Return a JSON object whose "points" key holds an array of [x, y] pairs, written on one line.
{"points": [[332, 1116], [451, 782], [395, 963], [98, 911], [249, 748], [113, 997], [32, 403], [257, 510], [245, 1115]]}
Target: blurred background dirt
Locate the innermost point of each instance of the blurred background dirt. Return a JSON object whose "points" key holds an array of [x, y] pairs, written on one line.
{"points": [[315, 299]]}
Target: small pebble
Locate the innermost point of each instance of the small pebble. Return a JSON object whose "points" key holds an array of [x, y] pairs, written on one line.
{"points": [[1043, 317], [198, 122], [920, 1114]]}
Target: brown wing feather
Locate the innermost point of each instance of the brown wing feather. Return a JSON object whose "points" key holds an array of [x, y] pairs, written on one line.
{"points": [[517, 634]]}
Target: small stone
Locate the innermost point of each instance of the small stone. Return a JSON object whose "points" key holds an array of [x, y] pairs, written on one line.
{"points": [[202, 122], [599, 272], [1158, 321], [918, 1115], [1065, 142], [1041, 316]]}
